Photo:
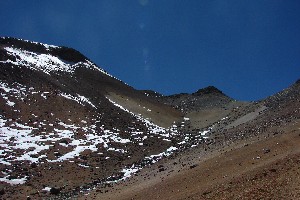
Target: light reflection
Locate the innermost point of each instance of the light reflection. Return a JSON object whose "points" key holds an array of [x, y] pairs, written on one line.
{"points": [[143, 2]]}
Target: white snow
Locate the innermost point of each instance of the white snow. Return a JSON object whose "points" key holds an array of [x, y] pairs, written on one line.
{"points": [[157, 157], [46, 62], [24, 140], [14, 181], [45, 45], [78, 98], [15, 90], [128, 172], [47, 189], [152, 128], [35, 61], [84, 166], [10, 103], [203, 133]]}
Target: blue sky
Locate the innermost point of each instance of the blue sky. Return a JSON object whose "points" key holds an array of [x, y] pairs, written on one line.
{"points": [[249, 49]]}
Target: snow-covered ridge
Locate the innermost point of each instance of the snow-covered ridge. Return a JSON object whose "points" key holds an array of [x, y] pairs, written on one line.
{"points": [[47, 62], [44, 62], [47, 46]]}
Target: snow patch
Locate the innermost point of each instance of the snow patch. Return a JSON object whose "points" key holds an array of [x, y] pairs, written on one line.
{"points": [[78, 98], [16, 181], [47, 62]]}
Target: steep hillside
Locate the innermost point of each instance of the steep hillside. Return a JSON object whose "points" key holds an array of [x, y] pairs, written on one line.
{"points": [[61, 113], [254, 156]]}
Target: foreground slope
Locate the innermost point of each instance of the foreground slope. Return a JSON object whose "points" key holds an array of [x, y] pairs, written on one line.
{"points": [[256, 158]]}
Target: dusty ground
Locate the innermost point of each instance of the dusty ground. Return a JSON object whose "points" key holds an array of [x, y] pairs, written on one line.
{"points": [[161, 115], [257, 168]]}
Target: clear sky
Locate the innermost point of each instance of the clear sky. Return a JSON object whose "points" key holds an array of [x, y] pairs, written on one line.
{"points": [[249, 49]]}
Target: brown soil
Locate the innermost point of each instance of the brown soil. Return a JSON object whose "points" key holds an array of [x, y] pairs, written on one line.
{"points": [[160, 114], [267, 168]]}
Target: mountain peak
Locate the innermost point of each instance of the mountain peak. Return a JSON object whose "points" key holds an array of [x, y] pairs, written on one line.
{"points": [[43, 57], [64, 53], [208, 90]]}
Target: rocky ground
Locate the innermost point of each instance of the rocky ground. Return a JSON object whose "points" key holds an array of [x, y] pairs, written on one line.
{"points": [[254, 153], [266, 167], [246, 152]]}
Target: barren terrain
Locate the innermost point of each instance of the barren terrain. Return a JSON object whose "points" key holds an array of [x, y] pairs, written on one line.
{"points": [[68, 129], [256, 168]]}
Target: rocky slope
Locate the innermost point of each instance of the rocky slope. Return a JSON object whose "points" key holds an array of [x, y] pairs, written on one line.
{"points": [[254, 155], [62, 114], [68, 128]]}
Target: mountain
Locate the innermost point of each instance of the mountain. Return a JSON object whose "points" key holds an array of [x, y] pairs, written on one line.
{"points": [[67, 127], [206, 98], [204, 107], [57, 106]]}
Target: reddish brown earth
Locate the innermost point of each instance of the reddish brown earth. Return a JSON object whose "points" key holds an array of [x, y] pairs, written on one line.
{"points": [[267, 168]]}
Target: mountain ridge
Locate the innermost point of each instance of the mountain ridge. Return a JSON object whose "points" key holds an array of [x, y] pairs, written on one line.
{"points": [[62, 112], [54, 111], [72, 55]]}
